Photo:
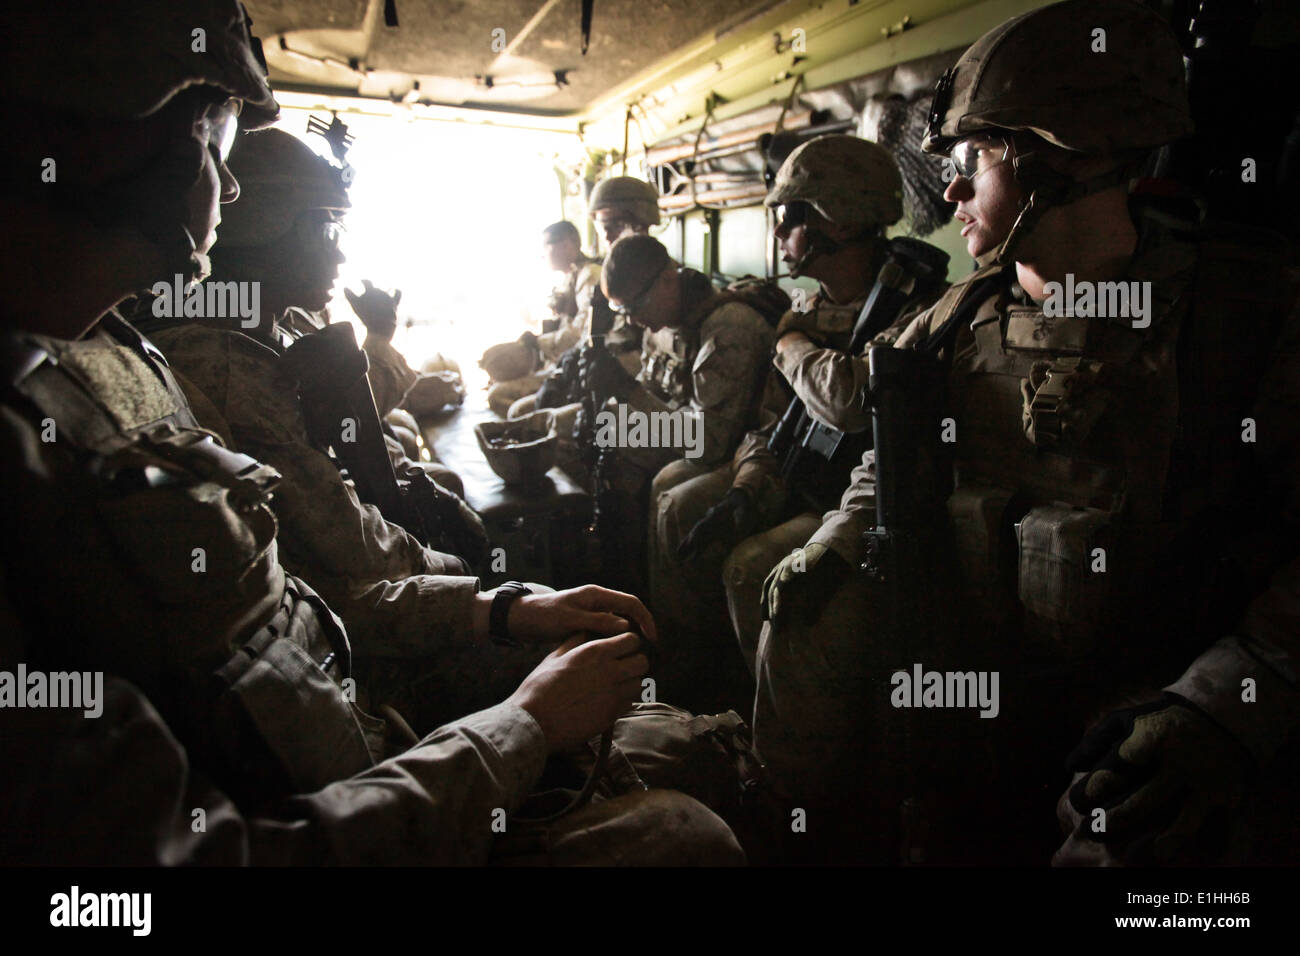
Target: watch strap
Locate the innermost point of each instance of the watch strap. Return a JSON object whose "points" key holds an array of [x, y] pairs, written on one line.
{"points": [[500, 610]]}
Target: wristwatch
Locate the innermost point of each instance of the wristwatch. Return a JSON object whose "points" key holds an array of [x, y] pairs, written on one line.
{"points": [[501, 602]]}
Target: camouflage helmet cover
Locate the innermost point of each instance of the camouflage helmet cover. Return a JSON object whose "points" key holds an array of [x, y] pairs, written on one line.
{"points": [[1093, 76], [850, 181], [68, 55], [280, 178], [628, 194]]}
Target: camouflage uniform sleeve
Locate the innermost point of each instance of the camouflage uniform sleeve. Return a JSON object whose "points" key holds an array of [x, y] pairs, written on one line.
{"points": [[390, 377], [118, 790], [757, 470], [641, 399], [571, 332], [830, 381], [115, 790], [735, 348], [388, 587], [842, 530], [917, 330], [1266, 645], [433, 804]]}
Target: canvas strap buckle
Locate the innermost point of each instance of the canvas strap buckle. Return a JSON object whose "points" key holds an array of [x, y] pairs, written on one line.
{"points": [[1048, 394], [249, 482]]}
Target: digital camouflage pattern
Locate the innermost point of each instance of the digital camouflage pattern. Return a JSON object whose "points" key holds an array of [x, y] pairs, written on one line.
{"points": [[627, 194], [830, 383], [849, 180], [712, 366], [1043, 71]]}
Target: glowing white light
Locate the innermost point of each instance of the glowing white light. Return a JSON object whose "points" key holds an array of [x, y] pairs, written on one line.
{"points": [[452, 214]]}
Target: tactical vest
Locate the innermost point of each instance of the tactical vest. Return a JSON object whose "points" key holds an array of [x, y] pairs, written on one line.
{"points": [[175, 584], [668, 356], [1064, 429]]}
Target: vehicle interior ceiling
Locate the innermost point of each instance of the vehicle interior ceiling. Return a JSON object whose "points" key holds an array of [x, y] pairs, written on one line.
{"points": [[704, 100]]}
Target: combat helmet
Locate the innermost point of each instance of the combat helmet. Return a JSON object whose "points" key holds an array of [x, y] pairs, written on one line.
{"points": [[54, 59], [1087, 76], [636, 197], [61, 61], [279, 179], [850, 181]]}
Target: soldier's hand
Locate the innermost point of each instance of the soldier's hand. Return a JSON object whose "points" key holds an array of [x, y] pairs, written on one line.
{"points": [[732, 518], [560, 614], [582, 687], [803, 583], [1166, 777], [376, 309], [604, 375]]}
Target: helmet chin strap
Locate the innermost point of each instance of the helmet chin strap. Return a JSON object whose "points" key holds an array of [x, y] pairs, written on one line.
{"points": [[1047, 188]]}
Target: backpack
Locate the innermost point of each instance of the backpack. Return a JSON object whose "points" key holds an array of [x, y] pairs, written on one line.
{"points": [[764, 296]]}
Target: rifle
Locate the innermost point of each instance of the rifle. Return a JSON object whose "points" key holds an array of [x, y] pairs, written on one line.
{"points": [[913, 482], [608, 504], [798, 436], [909, 551], [340, 414]]}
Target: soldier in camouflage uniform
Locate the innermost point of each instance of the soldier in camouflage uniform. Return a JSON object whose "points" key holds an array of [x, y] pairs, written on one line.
{"points": [[399, 389], [1087, 460], [704, 354], [383, 582], [285, 236], [620, 206], [835, 195], [570, 307], [137, 546]]}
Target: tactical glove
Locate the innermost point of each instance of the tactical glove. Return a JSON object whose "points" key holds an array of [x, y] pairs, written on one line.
{"points": [[376, 309], [803, 582], [1167, 777], [731, 519], [604, 375]]}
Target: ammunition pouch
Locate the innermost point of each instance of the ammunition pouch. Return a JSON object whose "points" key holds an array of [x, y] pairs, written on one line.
{"points": [[984, 541], [1064, 586], [249, 483]]}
